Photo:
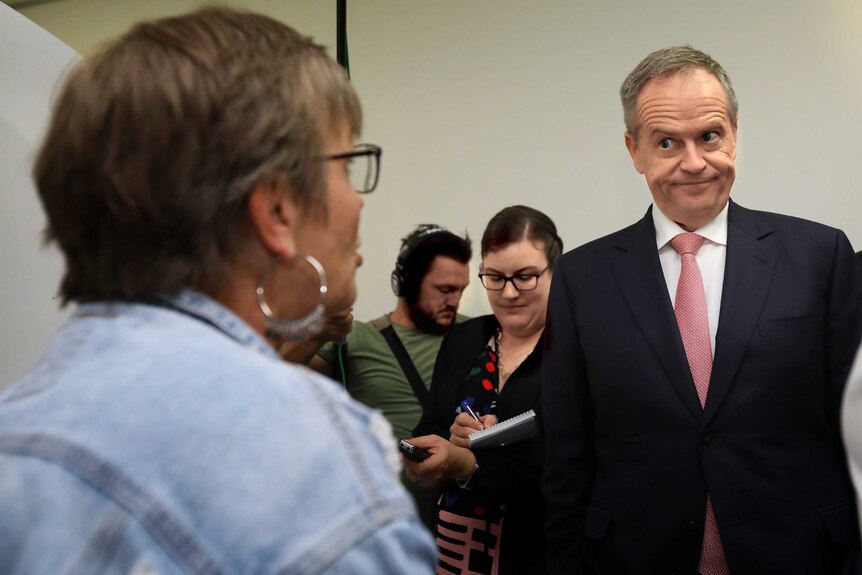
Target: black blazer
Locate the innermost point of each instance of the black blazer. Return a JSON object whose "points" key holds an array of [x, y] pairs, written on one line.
{"points": [[631, 455], [511, 474]]}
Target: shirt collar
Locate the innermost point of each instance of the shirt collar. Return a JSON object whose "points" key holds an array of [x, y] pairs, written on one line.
{"points": [[666, 229]]}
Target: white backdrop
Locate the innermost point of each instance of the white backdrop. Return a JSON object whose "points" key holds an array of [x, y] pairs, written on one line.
{"points": [[31, 60], [488, 103], [483, 104]]}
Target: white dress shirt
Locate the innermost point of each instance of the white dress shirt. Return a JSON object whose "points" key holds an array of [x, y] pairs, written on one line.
{"points": [[851, 425], [710, 259]]}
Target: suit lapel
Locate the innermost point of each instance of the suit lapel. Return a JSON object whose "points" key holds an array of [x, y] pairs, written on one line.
{"points": [[641, 281], [748, 272]]}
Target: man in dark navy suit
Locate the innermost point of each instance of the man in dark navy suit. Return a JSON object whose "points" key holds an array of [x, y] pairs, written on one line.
{"points": [[695, 363]]}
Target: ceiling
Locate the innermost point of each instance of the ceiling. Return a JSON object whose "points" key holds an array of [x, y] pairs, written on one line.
{"points": [[17, 4]]}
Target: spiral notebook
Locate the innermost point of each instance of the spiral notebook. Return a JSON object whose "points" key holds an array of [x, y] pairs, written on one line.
{"points": [[506, 432]]}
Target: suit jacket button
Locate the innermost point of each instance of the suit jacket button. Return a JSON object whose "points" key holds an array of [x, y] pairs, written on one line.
{"points": [[706, 437]]}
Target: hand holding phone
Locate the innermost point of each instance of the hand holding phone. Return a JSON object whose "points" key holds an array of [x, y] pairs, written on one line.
{"points": [[412, 452]]}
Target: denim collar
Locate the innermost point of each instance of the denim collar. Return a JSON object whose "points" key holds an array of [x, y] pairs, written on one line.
{"points": [[202, 308]]}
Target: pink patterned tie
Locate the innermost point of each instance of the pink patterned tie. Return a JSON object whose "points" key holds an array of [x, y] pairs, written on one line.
{"points": [[690, 311]]}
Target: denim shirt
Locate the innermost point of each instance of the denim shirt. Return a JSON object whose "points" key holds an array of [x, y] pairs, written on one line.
{"points": [[171, 438]]}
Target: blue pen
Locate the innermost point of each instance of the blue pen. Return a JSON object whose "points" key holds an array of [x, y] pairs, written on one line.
{"points": [[466, 407]]}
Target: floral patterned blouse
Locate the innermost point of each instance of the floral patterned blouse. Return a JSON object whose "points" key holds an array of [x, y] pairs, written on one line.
{"points": [[468, 526]]}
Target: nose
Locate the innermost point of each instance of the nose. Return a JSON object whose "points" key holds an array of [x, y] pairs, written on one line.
{"points": [[454, 299], [509, 290], [692, 161]]}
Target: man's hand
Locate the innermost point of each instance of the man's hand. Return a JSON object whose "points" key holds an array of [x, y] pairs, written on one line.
{"points": [[337, 324]]}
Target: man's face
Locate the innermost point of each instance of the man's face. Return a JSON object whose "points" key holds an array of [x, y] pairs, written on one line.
{"points": [[686, 146], [440, 294]]}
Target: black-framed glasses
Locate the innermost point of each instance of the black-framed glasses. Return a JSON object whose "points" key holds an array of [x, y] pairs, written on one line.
{"points": [[521, 282], [364, 166]]}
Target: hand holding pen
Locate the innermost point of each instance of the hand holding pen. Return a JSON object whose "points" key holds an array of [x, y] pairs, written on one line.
{"points": [[466, 407], [484, 421], [466, 423]]}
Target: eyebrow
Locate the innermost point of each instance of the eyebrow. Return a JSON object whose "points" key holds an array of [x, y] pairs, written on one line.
{"points": [[653, 132], [714, 126]]}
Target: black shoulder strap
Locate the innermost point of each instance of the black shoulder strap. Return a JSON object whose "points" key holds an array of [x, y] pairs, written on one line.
{"points": [[407, 366]]}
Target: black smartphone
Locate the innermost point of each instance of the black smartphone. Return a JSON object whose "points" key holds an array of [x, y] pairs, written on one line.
{"points": [[410, 451]]}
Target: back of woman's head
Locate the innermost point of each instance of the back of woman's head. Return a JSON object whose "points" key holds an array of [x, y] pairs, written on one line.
{"points": [[157, 140], [515, 223]]}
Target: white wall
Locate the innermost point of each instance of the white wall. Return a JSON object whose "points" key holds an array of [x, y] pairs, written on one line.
{"points": [[30, 62], [483, 104], [487, 103]]}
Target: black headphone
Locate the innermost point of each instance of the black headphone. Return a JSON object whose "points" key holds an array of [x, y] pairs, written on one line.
{"points": [[413, 241]]}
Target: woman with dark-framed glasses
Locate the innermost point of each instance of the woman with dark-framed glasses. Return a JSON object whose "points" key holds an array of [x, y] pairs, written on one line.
{"points": [[490, 515]]}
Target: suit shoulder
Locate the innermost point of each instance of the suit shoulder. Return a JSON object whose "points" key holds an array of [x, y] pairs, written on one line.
{"points": [[796, 235], [794, 223], [600, 246]]}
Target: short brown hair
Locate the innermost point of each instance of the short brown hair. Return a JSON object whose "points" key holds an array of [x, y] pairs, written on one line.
{"points": [[157, 140], [665, 62], [418, 251], [515, 223]]}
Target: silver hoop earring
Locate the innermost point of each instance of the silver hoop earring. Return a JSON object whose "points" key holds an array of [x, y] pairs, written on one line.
{"points": [[294, 329]]}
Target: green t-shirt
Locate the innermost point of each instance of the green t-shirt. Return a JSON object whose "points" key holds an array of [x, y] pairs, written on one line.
{"points": [[374, 376]]}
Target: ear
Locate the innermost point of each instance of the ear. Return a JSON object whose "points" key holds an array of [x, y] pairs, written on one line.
{"points": [[735, 141], [632, 147], [273, 217]]}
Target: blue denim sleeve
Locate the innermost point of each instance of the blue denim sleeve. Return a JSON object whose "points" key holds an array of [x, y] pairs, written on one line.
{"points": [[401, 547]]}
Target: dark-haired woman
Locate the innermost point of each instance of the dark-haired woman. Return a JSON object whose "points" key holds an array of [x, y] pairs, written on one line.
{"points": [[490, 515]]}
